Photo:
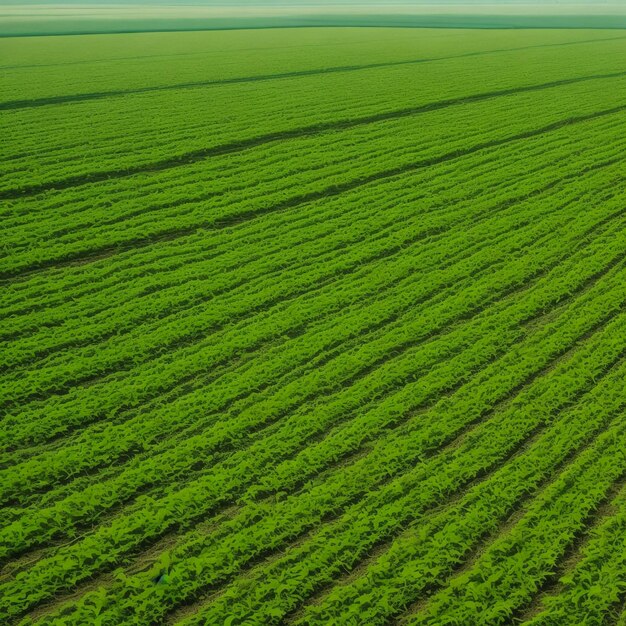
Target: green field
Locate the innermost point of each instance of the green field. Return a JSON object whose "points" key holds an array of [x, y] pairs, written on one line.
{"points": [[313, 327]]}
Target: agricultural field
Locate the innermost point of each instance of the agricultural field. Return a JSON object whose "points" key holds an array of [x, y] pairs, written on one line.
{"points": [[313, 327]]}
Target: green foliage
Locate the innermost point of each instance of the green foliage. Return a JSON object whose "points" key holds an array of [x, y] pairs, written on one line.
{"points": [[328, 330]]}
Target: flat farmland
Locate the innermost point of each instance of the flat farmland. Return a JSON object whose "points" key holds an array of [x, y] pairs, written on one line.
{"points": [[314, 326]]}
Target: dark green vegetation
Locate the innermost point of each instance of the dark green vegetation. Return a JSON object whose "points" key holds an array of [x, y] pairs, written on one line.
{"points": [[314, 327], [57, 17], [33, 26]]}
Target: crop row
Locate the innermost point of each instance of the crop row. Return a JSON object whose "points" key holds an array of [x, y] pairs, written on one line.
{"points": [[358, 289], [174, 460], [420, 558], [246, 297], [303, 156], [284, 582], [141, 70], [507, 575], [126, 135], [350, 324], [184, 219], [384, 209], [471, 174], [168, 256], [188, 494], [595, 586], [51, 115], [432, 318], [179, 458], [402, 270]]}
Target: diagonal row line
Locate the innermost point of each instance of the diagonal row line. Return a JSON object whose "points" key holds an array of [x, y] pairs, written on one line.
{"points": [[335, 190], [98, 95], [313, 129]]}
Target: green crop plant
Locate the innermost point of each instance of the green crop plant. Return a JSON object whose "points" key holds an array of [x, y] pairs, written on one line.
{"points": [[313, 326]]}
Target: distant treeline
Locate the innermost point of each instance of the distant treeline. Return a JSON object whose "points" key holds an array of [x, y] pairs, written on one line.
{"points": [[31, 26]]}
